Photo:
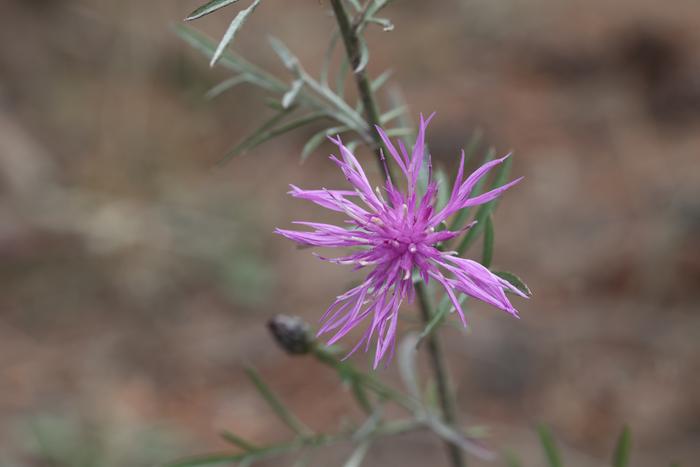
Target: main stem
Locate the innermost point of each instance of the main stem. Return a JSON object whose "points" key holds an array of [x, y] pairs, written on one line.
{"points": [[364, 88], [437, 360]]}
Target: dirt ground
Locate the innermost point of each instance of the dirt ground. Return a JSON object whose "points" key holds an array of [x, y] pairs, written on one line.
{"points": [[137, 276]]}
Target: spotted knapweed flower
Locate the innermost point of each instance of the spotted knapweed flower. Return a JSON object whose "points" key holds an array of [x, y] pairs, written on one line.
{"points": [[396, 233]]}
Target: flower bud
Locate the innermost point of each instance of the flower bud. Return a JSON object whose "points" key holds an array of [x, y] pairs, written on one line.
{"points": [[291, 333]]}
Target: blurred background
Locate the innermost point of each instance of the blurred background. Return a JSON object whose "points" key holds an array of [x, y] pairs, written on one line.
{"points": [[137, 276]]}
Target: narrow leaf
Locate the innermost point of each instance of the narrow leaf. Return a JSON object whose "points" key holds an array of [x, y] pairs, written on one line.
{"points": [[238, 441], [360, 394], [621, 455], [288, 58], [485, 209], [359, 454], [209, 7], [407, 364], [223, 458], [225, 86], [206, 46], [266, 132], [385, 23], [291, 95], [262, 131], [376, 6], [328, 57], [356, 5], [364, 55], [391, 115], [515, 281], [444, 308], [487, 254], [315, 141], [449, 433], [233, 28], [512, 460], [276, 405], [341, 76], [380, 80], [550, 449]]}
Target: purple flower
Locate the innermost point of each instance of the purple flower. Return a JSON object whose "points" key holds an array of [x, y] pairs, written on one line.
{"points": [[395, 233]]}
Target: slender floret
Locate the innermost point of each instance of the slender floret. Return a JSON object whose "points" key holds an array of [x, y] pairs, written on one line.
{"points": [[395, 233]]}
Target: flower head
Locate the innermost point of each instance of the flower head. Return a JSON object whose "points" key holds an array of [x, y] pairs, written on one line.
{"points": [[395, 233]]}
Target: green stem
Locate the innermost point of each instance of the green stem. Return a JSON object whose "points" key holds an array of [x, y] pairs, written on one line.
{"points": [[364, 88], [437, 362]]}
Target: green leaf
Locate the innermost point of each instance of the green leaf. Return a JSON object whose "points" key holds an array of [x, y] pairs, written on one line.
{"points": [[227, 458], [238, 441], [315, 141], [550, 449], [407, 364], [268, 131], [291, 95], [399, 132], [341, 77], [225, 86], [385, 23], [376, 6], [390, 115], [276, 404], [443, 309], [356, 5], [359, 454], [380, 80], [511, 459], [515, 281], [364, 55], [206, 46], [328, 57], [289, 60], [485, 209], [621, 455], [259, 135], [209, 7], [352, 145], [487, 254], [233, 28], [455, 436], [473, 145]]}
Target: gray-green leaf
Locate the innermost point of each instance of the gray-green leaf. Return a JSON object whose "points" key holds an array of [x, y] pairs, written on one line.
{"points": [[291, 95], [364, 56], [276, 404], [550, 449], [315, 141], [621, 456], [209, 7], [225, 86], [288, 58], [233, 28], [487, 255], [515, 281]]}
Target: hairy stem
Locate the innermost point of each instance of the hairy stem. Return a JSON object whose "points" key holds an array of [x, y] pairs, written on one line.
{"points": [[352, 48], [437, 361]]}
